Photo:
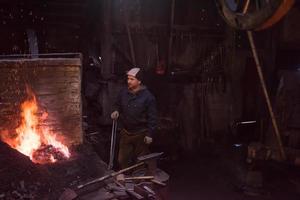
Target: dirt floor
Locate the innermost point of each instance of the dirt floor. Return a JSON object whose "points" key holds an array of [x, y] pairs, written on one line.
{"points": [[221, 174], [212, 173]]}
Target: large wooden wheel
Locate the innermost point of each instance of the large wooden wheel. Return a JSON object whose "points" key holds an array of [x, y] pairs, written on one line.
{"points": [[253, 14]]}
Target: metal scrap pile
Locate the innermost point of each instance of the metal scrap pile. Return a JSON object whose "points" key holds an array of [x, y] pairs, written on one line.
{"points": [[123, 187], [117, 185]]}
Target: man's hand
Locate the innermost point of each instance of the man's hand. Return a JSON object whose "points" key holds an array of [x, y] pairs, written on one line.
{"points": [[115, 115], [148, 140]]}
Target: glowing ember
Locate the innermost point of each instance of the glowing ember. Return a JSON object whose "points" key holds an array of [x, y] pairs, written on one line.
{"points": [[40, 144]]}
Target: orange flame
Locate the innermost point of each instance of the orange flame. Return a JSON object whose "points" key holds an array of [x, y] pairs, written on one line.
{"points": [[28, 137]]}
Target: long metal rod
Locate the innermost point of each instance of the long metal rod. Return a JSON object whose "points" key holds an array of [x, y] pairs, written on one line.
{"points": [[266, 95], [112, 144], [139, 178], [110, 175]]}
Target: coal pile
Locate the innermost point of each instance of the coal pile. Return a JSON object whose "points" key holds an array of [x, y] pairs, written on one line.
{"points": [[23, 179], [48, 154], [22, 190]]}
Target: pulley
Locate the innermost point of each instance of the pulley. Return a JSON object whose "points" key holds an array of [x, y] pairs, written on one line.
{"points": [[253, 14]]}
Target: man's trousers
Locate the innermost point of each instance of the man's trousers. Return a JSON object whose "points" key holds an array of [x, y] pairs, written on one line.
{"points": [[131, 146]]}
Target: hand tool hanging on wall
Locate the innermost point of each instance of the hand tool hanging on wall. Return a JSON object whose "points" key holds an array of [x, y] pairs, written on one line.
{"points": [[113, 144], [202, 113], [129, 35], [170, 43], [206, 112], [202, 136]]}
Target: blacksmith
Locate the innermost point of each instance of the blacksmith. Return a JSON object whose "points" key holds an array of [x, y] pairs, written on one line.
{"points": [[136, 107]]}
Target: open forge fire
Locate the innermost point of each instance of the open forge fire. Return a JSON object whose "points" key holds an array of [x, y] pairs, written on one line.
{"points": [[33, 140]]}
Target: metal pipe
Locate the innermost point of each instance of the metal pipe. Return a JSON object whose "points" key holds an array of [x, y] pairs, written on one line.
{"points": [[112, 144], [246, 122]]}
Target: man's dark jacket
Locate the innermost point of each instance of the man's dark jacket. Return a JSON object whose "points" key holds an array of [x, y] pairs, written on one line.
{"points": [[137, 111]]}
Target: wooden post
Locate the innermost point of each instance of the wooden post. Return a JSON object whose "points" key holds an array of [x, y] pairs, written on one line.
{"points": [[264, 88], [266, 95]]}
